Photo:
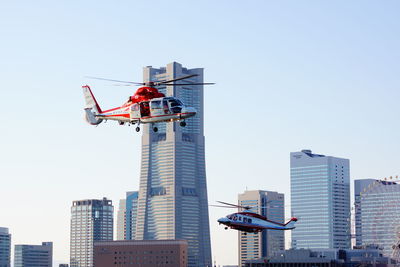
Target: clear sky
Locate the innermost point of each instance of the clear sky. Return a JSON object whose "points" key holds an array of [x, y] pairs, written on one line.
{"points": [[321, 75]]}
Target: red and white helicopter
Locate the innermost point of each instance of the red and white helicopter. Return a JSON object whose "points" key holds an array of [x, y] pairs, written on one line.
{"points": [[147, 105], [251, 222]]}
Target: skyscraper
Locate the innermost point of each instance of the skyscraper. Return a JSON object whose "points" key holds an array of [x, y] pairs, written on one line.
{"points": [[320, 198], [265, 243], [5, 247], [359, 187], [378, 215], [34, 255], [92, 220], [172, 202], [121, 220], [127, 215]]}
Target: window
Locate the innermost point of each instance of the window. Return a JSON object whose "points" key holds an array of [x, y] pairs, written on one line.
{"points": [[175, 103], [135, 107], [156, 104]]}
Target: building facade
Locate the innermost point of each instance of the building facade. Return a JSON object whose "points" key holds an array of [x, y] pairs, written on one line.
{"points": [[378, 215], [34, 255], [5, 247], [121, 220], [360, 186], [172, 201], [265, 243], [91, 220], [320, 198], [127, 215], [144, 253], [368, 257]]}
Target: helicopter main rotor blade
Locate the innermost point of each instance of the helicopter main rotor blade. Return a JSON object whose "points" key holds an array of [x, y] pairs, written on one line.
{"points": [[110, 80], [188, 84], [220, 206], [178, 79], [233, 205]]}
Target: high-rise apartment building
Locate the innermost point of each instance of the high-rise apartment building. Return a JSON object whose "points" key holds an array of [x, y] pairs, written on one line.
{"points": [[320, 198], [127, 214], [91, 220], [378, 215], [5, 247], [172, 202], [34, 255], [265, 243]]}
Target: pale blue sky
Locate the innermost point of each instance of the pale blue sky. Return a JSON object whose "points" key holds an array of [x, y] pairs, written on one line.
{"points": [[322, 75]]}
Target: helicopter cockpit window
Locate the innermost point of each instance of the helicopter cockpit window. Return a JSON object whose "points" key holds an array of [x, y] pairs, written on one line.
{"points": [[156, 104], [175, 102], [176, 105]]}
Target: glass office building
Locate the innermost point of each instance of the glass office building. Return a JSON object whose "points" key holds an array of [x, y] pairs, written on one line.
{"points": [[265, 243], [91, 220], [34, 255], [127, 214], [5, 247], [378, 214], [359, 186], [172, 201], [320, 198]]}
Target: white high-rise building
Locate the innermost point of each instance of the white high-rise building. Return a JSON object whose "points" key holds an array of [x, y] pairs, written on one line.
{"points": [[172, 202], [91, 220], [263, 244], [121, 220], [320, 198], [126, 218]]}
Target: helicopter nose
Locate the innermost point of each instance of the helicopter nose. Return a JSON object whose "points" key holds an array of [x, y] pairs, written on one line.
{"points": [[223, 220], [189, 111]]}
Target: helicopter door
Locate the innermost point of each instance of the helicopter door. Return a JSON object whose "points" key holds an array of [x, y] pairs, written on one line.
{"points": [[166, 107], [135, 111], [144, 109], [156, 108]]}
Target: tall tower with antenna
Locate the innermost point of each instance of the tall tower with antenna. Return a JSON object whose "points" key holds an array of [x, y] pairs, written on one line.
{"points": [[172, 201]]}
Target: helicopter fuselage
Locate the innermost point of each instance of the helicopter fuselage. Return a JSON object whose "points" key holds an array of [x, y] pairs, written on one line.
{"points": [[252, 222], [137, 111], [161, 109]]}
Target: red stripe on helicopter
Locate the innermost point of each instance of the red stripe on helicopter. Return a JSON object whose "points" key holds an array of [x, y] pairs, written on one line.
{"points": [[149, 117], [114, 115], [105, 111]]}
